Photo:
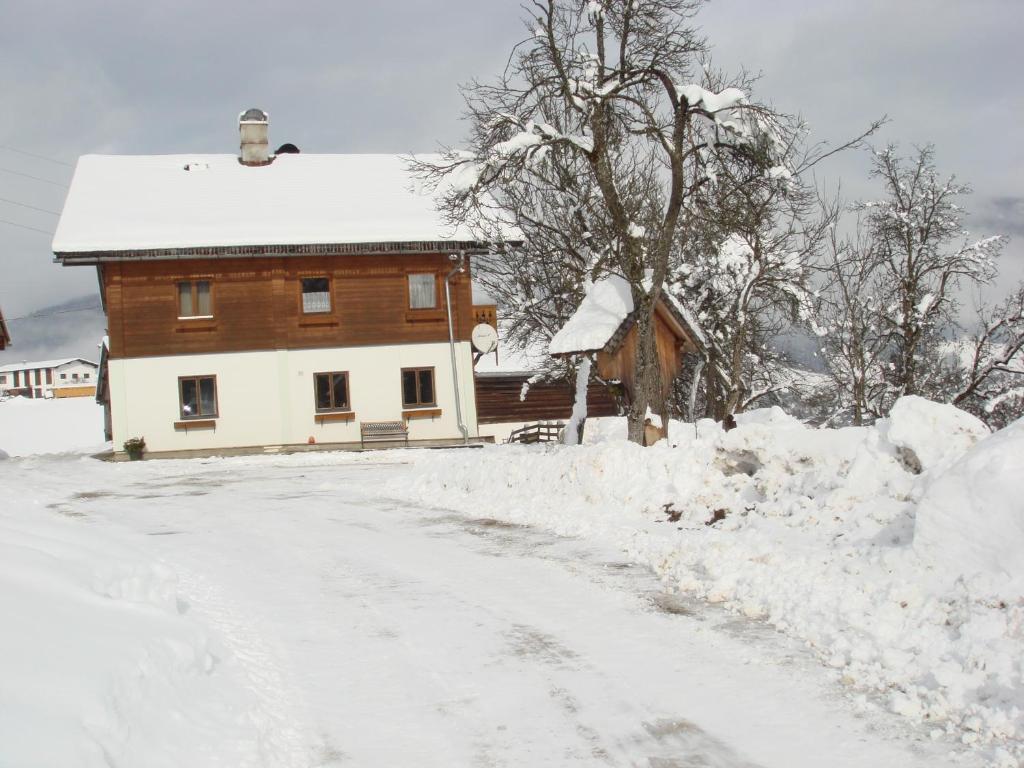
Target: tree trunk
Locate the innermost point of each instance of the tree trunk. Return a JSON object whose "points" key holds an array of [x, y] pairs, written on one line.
{"points": [[647, 389]]}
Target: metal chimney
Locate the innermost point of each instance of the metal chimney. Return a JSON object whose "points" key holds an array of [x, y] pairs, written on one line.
{"points": [[252, 128]]}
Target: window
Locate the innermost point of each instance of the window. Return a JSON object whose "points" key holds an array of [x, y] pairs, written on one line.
{"points": [[417, 387], [331, 391], [73, 376], [3, 379], [316, 294], [85, 375], [194, 299], [64, 376], [422, 291], [198, 397]]}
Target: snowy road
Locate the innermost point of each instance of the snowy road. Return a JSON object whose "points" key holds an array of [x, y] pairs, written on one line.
{"points": [[375, 634]]}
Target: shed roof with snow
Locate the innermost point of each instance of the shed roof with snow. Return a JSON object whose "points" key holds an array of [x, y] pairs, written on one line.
{"points": [[605, 317], [140, 203]]}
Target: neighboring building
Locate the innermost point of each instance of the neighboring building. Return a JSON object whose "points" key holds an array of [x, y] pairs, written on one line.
{"points": [[5, 335], [262, 300], [68, 377]]}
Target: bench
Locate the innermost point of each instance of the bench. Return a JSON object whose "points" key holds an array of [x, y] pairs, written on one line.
{"points": [[379, 431]]}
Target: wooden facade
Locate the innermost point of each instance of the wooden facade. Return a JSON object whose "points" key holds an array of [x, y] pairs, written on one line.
{"points": [[498, 399], [257, 304], [617, 363]]}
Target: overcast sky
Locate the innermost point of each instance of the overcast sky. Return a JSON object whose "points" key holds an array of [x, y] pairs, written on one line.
{"points": [[161, 77]]}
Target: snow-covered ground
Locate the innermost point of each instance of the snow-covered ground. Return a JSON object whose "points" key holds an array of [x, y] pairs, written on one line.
{"points": [[908, 585], [278, 611], [419, 608], [50, 426]]}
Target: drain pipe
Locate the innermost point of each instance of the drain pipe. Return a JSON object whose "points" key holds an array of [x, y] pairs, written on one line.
{"points": [[460, 266]]}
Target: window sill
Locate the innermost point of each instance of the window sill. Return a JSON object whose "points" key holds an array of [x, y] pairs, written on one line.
{"points": [[323, 418], [193, 324], [188, 424], [421, 413], [424, 315], [317, 322]]}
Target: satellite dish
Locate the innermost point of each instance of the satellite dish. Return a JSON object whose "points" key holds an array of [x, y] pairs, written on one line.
{"points": [[485, 338]]}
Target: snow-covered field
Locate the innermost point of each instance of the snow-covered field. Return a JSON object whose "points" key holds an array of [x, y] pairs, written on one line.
{"points": [[50, 426], [391, 608]]}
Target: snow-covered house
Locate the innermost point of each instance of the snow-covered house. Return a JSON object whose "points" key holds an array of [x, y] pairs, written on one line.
{"points": [[277, 299], [66, 377]]}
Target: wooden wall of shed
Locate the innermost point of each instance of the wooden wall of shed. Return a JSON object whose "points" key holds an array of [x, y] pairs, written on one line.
{"points": [[257, 304], [620, 365], [497, 400]]}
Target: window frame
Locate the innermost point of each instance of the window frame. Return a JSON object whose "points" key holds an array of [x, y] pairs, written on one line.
{"points": [[433, 386], [330, 294], [194, 291], [181, 399], [334, 407], [408, 289]]}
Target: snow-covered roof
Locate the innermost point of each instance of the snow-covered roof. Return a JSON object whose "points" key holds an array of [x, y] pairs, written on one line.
{"points": [[40, 364], [149, 202], [606, 305], [606, 313]]}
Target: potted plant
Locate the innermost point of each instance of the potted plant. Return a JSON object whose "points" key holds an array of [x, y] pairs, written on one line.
{"points": [[135, 447]]}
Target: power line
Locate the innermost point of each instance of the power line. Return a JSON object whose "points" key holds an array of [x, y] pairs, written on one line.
{"points": [[9, 148], [36, 315], [25, 226], [37, 178], [26, 205]]}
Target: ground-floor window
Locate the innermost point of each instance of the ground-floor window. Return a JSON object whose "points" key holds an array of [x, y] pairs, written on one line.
{"points": [[418, 387], [198, 396], [331, 391]]}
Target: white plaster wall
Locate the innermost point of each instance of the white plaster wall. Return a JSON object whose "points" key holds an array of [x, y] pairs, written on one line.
{"points": [[267, 398]]}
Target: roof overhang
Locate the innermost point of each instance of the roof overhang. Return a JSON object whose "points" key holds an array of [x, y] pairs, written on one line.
{"points": [[277, 251]]}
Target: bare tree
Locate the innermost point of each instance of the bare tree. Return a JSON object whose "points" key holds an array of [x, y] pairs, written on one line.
{"points": [[993, 385], [759, 232], [853, 343], [924, 256], [598, 136]]}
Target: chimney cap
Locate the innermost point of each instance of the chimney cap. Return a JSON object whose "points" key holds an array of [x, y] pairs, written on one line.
{"points": [[253, 115]]}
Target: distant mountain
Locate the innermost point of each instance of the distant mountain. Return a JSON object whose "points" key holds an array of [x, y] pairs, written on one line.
{"points": [[71, 329]]}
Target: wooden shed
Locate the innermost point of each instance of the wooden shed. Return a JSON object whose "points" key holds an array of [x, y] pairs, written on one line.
{"points": [[604, 325]]}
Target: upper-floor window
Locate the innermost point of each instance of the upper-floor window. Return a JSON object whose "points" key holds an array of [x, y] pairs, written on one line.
{"points": [[332, 391], [418, 387], [316, 294], [197, 396], [423, 291], [73, 376], [194, 299], [64, 376], [85, 375]]}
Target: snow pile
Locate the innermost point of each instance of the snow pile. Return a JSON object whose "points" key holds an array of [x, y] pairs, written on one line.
{"points": [[931, 435], [608, 302], [101, 662], [72, 424], [971, 518], [810, 530]]}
